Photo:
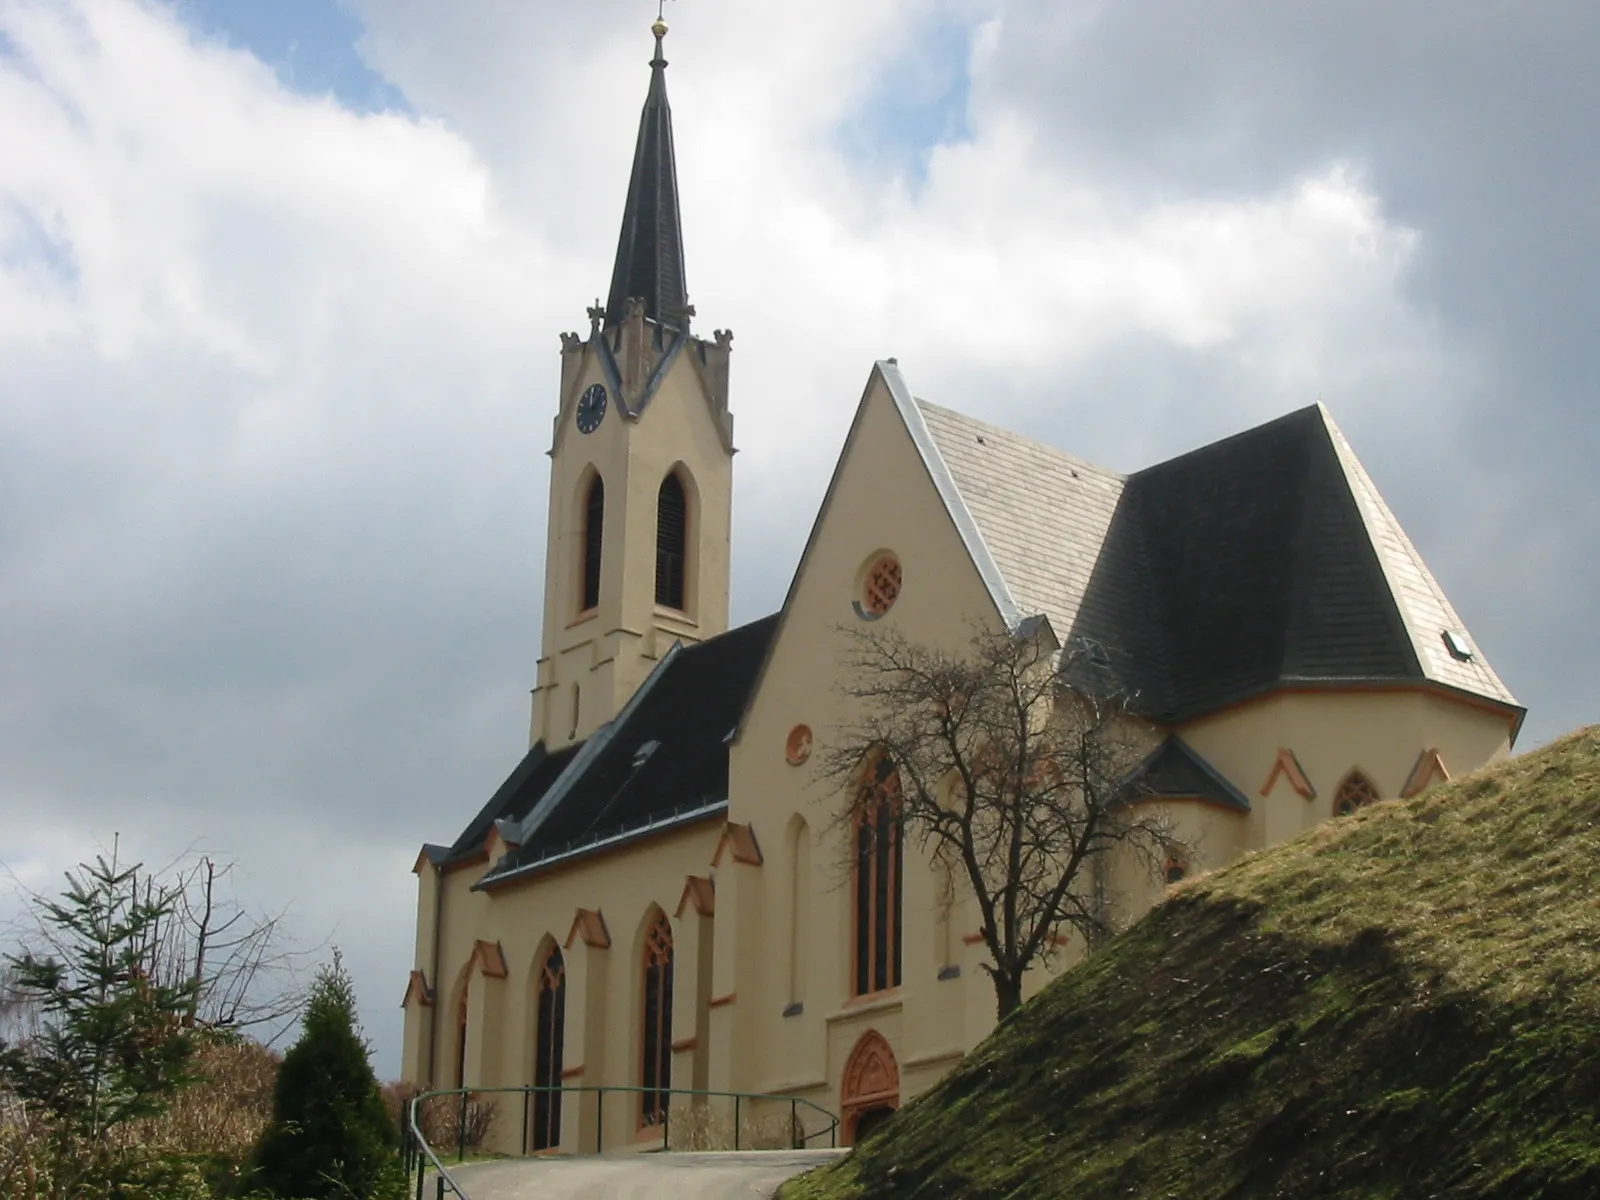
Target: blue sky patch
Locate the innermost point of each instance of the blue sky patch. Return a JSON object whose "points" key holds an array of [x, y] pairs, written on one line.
{"points": [[310, 44], [917, 103], [28, 244]]}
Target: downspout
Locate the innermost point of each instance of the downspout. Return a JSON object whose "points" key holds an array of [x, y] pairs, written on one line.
{"points": [[433, 1009]]}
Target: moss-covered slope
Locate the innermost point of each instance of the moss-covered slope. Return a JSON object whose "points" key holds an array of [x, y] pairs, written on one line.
{"points": [[1402, 1003]]}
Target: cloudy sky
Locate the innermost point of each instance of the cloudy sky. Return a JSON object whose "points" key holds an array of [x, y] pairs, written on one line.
{"points": [[280, 289]]}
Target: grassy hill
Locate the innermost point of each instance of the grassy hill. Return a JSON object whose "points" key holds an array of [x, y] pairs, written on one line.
{"points": [[1401, 1003]]}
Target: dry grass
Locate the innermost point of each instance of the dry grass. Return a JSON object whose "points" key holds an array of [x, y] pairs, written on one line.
{"points": [[222, 1116], [211, 1126], [708, 1125]]}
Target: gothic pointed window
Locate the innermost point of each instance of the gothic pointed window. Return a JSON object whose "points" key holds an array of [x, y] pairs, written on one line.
{"points": [[461, 1038], [656, 1073], [672, 542], [594, 523], [549, 1031], [1355, 792], [878, 870]]}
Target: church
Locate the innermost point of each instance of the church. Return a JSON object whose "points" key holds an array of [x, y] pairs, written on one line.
{"points": [[654, 897]]}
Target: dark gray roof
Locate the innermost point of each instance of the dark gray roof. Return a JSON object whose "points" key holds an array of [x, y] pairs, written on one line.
{"points": [[1174, 771], [649, 262], [512, 800], [664, 759], [1264, 559]]}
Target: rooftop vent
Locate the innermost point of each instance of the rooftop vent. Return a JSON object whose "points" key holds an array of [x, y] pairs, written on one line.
{"points": [[1457, 644]]}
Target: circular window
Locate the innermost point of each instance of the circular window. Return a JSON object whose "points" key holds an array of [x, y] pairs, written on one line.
{"points": [[798, 748], [880, 585]]}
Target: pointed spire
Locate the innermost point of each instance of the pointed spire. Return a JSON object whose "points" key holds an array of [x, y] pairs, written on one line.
{"points": [[650, 250]]}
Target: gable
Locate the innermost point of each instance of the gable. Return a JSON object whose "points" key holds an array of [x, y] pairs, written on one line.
{"points": [[890, 492]]}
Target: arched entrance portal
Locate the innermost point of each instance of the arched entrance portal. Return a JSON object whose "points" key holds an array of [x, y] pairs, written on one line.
{"points": [[871, 1089]]}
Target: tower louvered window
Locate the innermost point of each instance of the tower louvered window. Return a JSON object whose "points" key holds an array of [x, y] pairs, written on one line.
{"points": [[672, 540], [656, 1075], [594, 523], [878, 871], [551, 1030]]}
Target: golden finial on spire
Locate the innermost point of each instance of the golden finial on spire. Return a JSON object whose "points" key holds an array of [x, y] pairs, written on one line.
{"points": [[660, 27]]}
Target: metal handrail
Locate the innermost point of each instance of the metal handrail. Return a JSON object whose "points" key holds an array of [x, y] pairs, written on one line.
{"points": [[417, 1141], [446, 1181]]}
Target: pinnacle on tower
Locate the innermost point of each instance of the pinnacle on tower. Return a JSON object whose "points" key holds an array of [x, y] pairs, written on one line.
{"points": [[650, 251]]}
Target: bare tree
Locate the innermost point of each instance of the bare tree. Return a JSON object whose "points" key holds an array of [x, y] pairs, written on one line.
{"points": [[1014, 782]]}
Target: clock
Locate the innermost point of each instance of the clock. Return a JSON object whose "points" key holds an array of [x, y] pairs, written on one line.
{"points": [[591, 409]]}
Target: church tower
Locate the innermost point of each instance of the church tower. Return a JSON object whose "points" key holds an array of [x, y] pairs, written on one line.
{"points": [[641, 474]]}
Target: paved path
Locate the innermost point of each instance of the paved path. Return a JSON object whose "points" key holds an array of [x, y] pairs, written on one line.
{"points": [[743, 1175]]}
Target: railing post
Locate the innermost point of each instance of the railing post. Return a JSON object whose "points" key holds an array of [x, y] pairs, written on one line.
{"points": [[525, 1097], [736, 1121], [599, 1119], [461, 1133], [441, 1188], [796, 1142], [666, 1122]]}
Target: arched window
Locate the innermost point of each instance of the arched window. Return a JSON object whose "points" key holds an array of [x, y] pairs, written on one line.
{"points": [[799, 896], [594, 527], [672, 541], [878, 871], [461, 1038], [1355, 792], [656, 1075], [548, 1034]]}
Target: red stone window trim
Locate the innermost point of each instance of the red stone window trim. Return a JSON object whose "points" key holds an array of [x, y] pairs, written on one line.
{"points": [[798, 748]]}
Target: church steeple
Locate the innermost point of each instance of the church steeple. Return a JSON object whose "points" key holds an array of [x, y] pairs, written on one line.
{"points": [[641, 466], [650, 251]]}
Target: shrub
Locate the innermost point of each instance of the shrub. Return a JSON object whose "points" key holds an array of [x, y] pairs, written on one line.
{"points": [[330, 1134]]}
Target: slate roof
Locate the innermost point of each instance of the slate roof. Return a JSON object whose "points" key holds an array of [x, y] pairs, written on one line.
{"points": [[1174, 771], [1263, 559], [649, 262], [663, 759], [513, 799]]}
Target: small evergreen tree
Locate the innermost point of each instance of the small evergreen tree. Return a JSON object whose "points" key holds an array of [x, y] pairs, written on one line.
{"points": [[331, 1134], [111, 1045]]}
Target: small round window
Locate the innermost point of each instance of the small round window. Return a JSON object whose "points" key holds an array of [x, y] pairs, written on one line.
{"points": [[798, 747], [880, 586]]}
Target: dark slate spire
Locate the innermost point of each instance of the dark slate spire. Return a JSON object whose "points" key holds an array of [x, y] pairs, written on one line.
{"points": [[650, 250]]}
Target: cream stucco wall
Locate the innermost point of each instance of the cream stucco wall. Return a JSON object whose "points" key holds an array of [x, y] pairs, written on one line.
{"points": [[1380, 733], [881, 499]]}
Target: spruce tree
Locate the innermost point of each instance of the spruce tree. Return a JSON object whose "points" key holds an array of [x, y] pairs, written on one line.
{"points": [[331, 1134], [113, 1046]]}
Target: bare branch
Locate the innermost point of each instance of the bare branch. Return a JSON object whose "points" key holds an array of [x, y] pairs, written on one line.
{"points": [[1015, 782]]}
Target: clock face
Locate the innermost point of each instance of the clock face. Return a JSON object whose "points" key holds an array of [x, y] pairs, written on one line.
{"points": [[591, 409]]}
